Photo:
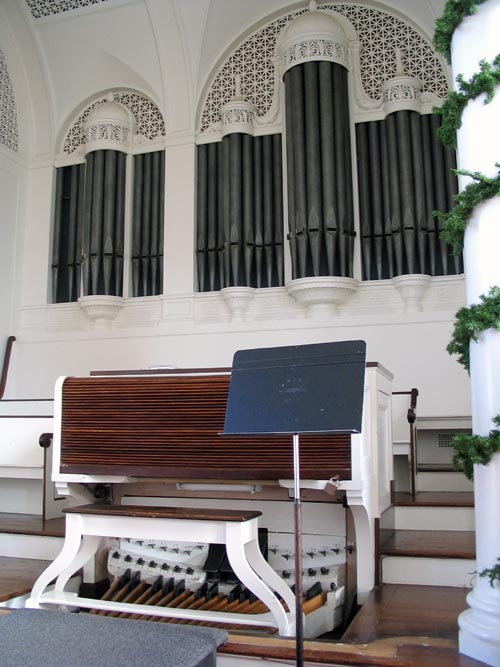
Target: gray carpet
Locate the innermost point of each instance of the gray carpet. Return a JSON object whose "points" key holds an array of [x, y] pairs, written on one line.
{"points": [[39, 638]]}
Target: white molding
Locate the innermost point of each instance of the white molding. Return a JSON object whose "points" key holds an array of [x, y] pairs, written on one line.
{"points": [[374, 302]]}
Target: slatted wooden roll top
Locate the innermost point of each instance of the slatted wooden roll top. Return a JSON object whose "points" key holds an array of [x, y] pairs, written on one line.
{"points": [[169, 426]]}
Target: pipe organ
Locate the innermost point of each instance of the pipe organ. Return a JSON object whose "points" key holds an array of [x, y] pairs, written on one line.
{"points": [[191, 526]]}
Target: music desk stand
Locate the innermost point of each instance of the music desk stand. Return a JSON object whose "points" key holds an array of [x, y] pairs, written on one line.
{"points": [[295, 390]]}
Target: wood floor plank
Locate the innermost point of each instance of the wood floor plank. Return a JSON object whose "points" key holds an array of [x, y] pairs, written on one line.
{"points": [[17, 575], [393, 610], [431, 544]]}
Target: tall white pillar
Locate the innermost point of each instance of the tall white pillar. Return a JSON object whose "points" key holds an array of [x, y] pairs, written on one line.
{"points": [[478, 150]]}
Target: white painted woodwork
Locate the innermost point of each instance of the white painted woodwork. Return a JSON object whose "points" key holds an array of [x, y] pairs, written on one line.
{"points": [[443, 481], [428, 571], [37, 547], [434, 518]]}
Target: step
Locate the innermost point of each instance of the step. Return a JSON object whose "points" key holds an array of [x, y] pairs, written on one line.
{"points": [[443, 481], [421, 517], [30, 546], [29, 536], [426, 557], [430, 544], [436, 499], [455, 572]]}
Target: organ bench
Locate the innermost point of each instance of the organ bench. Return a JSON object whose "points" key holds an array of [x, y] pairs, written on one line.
{"points": [[87, 525]]}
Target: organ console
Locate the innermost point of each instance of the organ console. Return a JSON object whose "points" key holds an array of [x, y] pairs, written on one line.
{"points": [[152, 441]]}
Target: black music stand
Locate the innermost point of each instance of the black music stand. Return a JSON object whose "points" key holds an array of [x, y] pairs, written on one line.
{"points": [[297, 389]]}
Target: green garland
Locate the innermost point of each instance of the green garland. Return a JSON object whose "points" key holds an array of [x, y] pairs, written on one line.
{"points": [[493, 573], [471, 449], [455, 221], [469, 321], [484, 81], [454, 13]]}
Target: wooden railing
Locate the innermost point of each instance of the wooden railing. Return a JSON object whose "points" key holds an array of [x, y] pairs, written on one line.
{"points": [[411, 418], [6, 361]]}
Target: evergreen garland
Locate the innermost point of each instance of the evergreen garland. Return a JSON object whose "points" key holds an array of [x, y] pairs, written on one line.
{"points": [[455, 221], [469, 321], [483, 81], [454, 13], [493, 573], [471, 449]]}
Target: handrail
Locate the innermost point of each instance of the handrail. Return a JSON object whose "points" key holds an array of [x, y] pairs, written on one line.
{"points": [[6, 361], [411, 418]]}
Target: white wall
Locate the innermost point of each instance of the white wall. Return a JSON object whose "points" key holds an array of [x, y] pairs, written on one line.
{"points": [[10, 195]]}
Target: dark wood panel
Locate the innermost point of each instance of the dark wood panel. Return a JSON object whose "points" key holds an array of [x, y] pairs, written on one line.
{"points": [[170, 426], [431, 544]]}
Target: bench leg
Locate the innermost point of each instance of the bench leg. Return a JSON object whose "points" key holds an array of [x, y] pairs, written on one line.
{"points": [[88, 548], [76, 551], [237, 557], [267, 574]]}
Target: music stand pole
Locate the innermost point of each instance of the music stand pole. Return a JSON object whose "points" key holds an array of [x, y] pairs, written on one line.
{"points": [[299, 621]]}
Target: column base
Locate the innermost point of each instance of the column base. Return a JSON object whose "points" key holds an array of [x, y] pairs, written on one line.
{"points": [[479, 636]]}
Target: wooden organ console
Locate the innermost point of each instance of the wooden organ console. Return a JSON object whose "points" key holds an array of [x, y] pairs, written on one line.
{"points": [[186, 509]]}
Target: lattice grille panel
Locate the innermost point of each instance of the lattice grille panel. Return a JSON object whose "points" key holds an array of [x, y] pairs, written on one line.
{"points": [[9, 135], [380, 33], [148, 118], [41, 8]]}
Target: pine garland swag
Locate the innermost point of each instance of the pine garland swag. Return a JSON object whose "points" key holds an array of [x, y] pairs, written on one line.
{"points": [[455, 221], [493, 573], [484, 81], [469, 321], [454, 13], [471, 449]]}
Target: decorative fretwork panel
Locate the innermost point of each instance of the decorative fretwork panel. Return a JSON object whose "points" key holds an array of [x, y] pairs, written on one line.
{"points": [[148, 119], [380, 34], [8, 113], [41, 8]]}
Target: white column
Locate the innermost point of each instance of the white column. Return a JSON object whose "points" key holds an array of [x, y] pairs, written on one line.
{"points": [[180, 198], [478, 150]]}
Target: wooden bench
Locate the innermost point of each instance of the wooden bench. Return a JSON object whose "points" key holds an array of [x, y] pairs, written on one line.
{"points": [[88, 525]]}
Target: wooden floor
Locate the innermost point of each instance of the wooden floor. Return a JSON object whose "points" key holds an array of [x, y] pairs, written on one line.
{"points": [[398, 626], [17, 576], [408, 611]]}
